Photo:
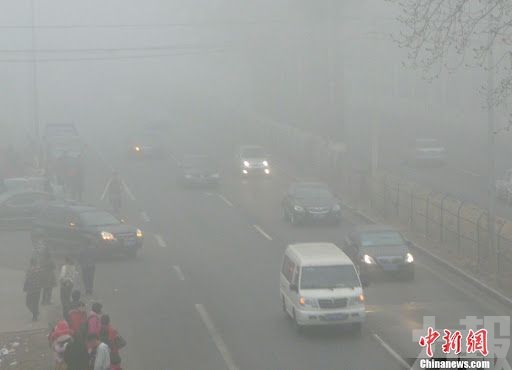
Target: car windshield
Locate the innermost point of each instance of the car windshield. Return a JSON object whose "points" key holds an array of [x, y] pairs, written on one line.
{"points": [[255, 152], [98, 218], [328, 277], [313, 192], [381, 239]]}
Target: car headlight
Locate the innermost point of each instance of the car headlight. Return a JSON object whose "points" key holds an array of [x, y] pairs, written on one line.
{"points": [[336, 208], [137, 148], [265, 163], [108, 236], [359, 299], [247, 164], [368, 260], [308, 302], [409, 258], [139, 233], [267, 171], [298, 208]]}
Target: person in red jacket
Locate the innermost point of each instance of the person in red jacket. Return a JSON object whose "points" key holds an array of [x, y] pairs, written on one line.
{"points": [[110, 336], [77, 317]]}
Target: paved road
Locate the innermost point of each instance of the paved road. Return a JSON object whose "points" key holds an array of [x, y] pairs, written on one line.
{"points": [[204, 294]]}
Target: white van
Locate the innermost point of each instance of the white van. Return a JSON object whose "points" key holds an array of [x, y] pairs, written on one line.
{"points": [[320, 286]]}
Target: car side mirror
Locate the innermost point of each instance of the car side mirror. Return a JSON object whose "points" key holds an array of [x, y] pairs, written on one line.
{"points": [[294, 287]]}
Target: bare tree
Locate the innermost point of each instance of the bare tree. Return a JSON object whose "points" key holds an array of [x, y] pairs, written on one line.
{"points": [[447, 34]]}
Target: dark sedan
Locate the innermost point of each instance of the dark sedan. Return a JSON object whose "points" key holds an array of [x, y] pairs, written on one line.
{"points": [[67, 228], [198, 170], [378, 249], [19, 208], [310, 201]]}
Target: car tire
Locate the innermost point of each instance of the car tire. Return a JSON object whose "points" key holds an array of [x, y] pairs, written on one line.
{"points": [[298, 327], [409, 275], [357, 328]]}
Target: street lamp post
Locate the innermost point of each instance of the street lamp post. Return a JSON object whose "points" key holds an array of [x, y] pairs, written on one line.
{"points": [[35, 92]]}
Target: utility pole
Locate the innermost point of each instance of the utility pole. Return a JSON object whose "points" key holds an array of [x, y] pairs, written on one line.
{"points": [[491, 155], [35, 89]]}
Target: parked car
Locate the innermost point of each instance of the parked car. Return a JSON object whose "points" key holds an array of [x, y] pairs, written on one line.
{"points": [[198, 170], [380, 249], [310, 201], [253, 160], [67, 227], [19, 208], [319, 285]]}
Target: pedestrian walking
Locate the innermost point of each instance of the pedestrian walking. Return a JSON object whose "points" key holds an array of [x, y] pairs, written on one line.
{"points": [[87, 261], [76, 355], [110, 336], [76, 301], [48, 279], [67, 281], [115, 189], [32, 288], [94, 319], [99, 353]]}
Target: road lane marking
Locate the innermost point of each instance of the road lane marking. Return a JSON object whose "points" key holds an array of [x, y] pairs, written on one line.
{"points": [[128, 191], [262, 232], [160, 241], [217, 339], [226, 200], [179, 272], [392, 352], [174, 158], [144, 216]]}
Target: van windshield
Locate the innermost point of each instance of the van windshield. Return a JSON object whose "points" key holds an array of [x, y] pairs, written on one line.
{"points": [[328, 277]]}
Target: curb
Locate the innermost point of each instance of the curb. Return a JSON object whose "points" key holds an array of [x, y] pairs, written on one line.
{"points": [[491, 291]]}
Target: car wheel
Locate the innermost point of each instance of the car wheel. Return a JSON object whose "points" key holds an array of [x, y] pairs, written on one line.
{"points": [[298, 327], [409, 276], [357, 328]]}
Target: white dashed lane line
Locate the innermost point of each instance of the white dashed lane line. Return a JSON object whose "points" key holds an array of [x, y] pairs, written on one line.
{"points": [[217, 339], [262, 232], [179, 272], [392, 352], [128, 191], [160, 241], [225, 200]]}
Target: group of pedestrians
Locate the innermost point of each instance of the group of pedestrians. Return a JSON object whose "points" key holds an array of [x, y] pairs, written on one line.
{"points": [[40, 278], [86, 340]]}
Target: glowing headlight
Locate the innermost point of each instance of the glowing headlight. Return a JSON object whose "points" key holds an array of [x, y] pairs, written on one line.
{"points": [[267, 171], [308, 302], [368, 260], [105, 235], [360, 298], [409, 258], [298, 208], [139, 233], [137, 148], [336, 208], [247, 164], [265, 163]]}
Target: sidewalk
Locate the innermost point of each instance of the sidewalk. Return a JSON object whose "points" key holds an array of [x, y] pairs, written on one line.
{"points": [[23, 343]]}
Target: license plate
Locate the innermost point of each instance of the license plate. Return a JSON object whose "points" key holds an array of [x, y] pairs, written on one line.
{"points": [[130, 242], [390, 267], [336, 317]]}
